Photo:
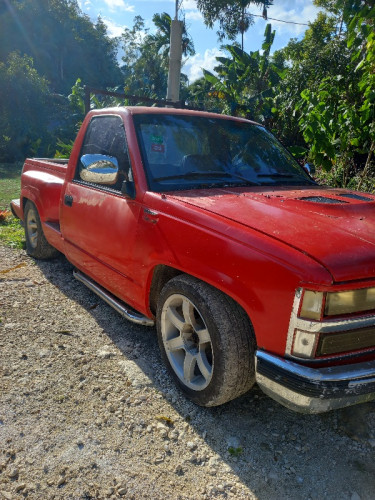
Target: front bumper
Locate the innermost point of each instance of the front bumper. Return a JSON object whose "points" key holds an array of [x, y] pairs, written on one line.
{"points": [[314, 390]]}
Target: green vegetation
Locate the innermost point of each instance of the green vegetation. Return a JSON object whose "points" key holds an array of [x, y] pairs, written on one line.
{"points": [[235, 452], [9, 183], [62, 41], [245, 82], [337, 114], [48, 48], [146, 57], [11, 231], [232, 16], [44, 47]]}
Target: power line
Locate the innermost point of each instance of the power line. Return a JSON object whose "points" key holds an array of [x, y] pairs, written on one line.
{"points": [[280, 20]]}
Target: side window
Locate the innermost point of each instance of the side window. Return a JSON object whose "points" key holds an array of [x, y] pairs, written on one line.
{"points": [[105, 135]]}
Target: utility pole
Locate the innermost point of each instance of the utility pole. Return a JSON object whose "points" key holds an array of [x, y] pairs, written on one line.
{"points": [[175, 56]]}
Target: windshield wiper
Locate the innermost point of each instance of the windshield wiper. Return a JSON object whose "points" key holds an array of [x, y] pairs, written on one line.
{"points": [[212, 173], [279, 175], [193, 175], [240, 177]]}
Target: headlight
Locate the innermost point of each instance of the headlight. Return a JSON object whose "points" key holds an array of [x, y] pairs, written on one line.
{"points": [[350, 302], [312, 305], [336, 303]]}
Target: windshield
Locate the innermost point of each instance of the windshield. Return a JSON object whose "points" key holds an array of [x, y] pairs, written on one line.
{"points": [[191, 152]]}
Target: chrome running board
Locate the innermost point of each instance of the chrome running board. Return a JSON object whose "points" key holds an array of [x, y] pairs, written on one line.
{"points": [[119, 306]]}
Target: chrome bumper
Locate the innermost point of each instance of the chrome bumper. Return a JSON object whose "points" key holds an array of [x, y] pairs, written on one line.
{"points": [[314, 390], [15, 207]]}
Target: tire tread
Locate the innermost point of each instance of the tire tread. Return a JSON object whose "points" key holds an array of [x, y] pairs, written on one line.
{"points": [[43, 249]]}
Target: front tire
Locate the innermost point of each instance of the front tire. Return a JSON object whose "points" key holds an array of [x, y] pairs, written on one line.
{"points": [[36, 244], [206, 340]]}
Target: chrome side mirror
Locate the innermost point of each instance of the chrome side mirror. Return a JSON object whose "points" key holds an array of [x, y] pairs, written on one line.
{"points": [[310, 168], [99, 169]]}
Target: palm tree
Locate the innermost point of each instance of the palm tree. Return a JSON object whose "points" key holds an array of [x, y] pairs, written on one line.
{"points": [[161, 39]]}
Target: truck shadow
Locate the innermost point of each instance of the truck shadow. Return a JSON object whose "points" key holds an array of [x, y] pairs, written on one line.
{"points": [[274, 452]]}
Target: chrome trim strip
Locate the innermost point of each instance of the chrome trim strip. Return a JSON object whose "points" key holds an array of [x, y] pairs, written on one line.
{"points": [[129, 314], [325, 326], [339, 373]]}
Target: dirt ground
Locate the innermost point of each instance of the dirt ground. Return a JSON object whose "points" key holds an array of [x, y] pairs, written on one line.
{"points": [[88, 411]]}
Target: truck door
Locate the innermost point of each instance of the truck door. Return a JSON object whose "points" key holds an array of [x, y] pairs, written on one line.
{"points": [[98, 223]]}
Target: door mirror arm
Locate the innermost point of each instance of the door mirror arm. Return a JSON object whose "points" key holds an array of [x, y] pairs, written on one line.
{"points": [[128, 189]]}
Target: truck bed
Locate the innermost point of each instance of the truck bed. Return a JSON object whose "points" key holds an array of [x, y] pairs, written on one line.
{"points": [[42, 180], [56, 165]]}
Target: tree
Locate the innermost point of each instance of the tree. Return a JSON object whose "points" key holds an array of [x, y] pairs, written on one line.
{"points": [[146, 57], [161, 39], [144, 68], [245, 82], [361, 31], [27, 110], [63, 43], [232, 15], [337, 116], [320, 53], [200, 94]]}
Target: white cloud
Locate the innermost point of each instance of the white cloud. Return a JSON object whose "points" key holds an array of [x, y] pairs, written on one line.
{"points": [[193, 67], [113, 28], [193, 15], [296, 11], [189, 4], [119, 4], [84, 5]]}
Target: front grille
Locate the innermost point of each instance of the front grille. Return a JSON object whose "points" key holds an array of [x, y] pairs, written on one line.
{"points": [[354, 340]]}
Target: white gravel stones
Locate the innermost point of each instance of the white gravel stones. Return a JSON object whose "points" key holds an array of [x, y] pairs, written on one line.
{"points": [[191, 446], [87, 410], [13, 473]]}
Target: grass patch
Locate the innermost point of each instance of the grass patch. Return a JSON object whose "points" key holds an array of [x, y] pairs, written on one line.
{"points": [[235, 452], [11, 231], [10, 183]]}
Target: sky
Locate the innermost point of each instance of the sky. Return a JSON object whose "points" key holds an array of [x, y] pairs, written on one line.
{"points": [[118, 14]]}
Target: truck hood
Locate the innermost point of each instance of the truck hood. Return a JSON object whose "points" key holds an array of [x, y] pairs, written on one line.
{"points": [[336, 227]]}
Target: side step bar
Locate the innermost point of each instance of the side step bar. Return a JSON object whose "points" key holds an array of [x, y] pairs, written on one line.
{"points": [[119, 306]]}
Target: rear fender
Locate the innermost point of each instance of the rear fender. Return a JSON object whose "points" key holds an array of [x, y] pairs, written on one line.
{"points": [[44, 190]]}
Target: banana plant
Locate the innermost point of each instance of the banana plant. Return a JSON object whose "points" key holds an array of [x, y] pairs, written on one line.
{"points": [[245, 81]]}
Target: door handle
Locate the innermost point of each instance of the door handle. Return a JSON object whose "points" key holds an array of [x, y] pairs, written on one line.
{"points": [[150, 215], [68, 200]]}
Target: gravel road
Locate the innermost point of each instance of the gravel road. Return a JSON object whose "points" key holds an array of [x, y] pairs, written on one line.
{"points": [[87, 411]]}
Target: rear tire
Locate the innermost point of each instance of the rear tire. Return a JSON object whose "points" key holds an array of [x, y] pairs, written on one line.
{"points": [[36, 244], [206, 340]]}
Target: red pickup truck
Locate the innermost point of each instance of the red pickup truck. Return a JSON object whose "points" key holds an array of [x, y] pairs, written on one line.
{"points": [[205, 225]]}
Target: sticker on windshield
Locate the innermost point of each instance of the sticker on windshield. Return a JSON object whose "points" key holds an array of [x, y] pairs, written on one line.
{"points": [[157, 148], [155, 142], [157, 139]]}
